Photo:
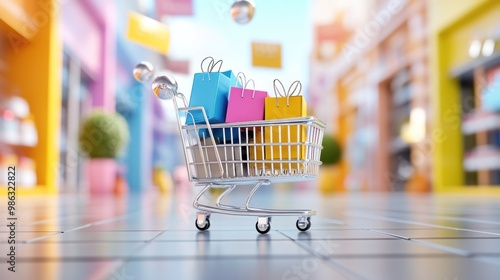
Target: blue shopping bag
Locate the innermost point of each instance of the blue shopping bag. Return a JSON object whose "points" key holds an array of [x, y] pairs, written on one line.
{"points": [[211, 90], [222, 135]]}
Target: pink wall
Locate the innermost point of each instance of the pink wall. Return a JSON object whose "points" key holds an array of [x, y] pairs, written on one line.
{"points": [[89, 32]]}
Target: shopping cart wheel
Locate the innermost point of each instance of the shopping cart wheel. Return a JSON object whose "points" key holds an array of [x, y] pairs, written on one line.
{"points": [[202, 222], [303, 223], [263, 225]]}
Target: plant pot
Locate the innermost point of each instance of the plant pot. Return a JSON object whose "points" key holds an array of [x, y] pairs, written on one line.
{"points": [[330, 179], [101, 175]]}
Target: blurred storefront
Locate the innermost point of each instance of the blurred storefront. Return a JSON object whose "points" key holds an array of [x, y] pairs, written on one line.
{"points": [[59, 60], [416, 88], [89, 75], [381, 86], [31, 59], [465, 72]]}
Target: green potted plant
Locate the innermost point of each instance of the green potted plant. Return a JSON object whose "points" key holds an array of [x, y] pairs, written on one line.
{"points": [[330, 177], [102, 137]]}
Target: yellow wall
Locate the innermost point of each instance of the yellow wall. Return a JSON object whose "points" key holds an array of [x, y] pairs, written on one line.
{"points": [[452, 26], [34, 68]]}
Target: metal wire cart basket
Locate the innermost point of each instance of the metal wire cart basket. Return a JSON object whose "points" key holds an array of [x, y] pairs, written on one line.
{"points": [[245, 153]]}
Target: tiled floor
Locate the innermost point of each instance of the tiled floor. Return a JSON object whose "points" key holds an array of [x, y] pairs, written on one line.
{"points": [[354, 236]]}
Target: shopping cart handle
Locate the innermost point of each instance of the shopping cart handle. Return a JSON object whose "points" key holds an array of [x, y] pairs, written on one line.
{"points": [[165, 87]]}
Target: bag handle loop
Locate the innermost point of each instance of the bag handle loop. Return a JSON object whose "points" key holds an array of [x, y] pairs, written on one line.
{"points": [[244, 83], [294, 90], [211, 65]]}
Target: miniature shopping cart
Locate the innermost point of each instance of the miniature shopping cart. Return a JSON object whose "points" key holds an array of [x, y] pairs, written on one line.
{"points": [[234, 154]]}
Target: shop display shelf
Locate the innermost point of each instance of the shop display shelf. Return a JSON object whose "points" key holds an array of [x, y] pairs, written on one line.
{"points": [[480, 121], [486, 157], [466, 69]]}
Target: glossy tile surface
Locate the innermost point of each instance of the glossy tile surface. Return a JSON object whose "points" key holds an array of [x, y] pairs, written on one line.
{"points": [[418, 268], [353, 236]]}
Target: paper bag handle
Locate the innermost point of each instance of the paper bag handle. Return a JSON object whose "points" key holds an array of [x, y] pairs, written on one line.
{"points": [[297, 85], [211, 66], [244, 83]]}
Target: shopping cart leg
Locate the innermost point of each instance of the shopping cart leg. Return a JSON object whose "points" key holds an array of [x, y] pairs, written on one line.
{"points": [[249, 198], [196, 201], [219, 199], [202, 218]]}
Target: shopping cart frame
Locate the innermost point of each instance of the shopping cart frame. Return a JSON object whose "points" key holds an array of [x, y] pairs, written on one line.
{"points": [[207, 160]]}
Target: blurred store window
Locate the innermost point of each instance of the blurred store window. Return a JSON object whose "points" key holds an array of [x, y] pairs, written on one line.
{"points": [[76, 103]]}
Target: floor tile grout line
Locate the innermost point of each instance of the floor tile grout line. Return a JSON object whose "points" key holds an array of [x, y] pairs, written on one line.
{"points": [[428, 228], [83, 226], [457, 219], [432, 245], [277, 240], [156, 235], [110, 220], [165, 230], [428, 215], [58, 233], [92, 241], [456, 251], [486, 254], [341, 269], [76, 241], [460, 237], [126, 230], [64, 218], [486, 260], [100, 222], [424, 213], [241, 257], [430, 237], [77, 228], [391, 256], [423, 224], [41, 238], [389, 234], [31, 231], [476, 231], [343, 256], [190, 240], [126, 259]]}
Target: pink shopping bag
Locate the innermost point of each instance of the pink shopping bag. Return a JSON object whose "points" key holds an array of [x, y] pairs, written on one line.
{"points": [[245, 104]]}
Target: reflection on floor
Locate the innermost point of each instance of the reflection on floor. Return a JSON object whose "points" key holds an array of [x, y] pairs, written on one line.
{"points": [[354, 236]]}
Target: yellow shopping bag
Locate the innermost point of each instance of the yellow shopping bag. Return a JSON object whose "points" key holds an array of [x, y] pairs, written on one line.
{"points": [[256, 150], [283, 142]]}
